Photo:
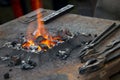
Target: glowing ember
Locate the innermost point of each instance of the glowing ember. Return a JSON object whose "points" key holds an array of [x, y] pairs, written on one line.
{"points": [[48, 40]]}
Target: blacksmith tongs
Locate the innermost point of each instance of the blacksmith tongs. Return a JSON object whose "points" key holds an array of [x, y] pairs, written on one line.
{"points": [[95, 64], [96, 41]]}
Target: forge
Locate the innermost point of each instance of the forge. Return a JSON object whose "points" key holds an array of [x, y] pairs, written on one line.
{"points": [[56, 46], [59, 60]]}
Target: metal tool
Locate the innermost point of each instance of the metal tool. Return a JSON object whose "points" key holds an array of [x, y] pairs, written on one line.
{"points": [[33, 14], [97, 63], [103, 35], [52, 15], [106, 33], [90, 53], [98, 39], [111, 45]]}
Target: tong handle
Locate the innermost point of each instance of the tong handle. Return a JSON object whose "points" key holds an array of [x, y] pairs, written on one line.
{"points": [[105, 33], [110, 51]]}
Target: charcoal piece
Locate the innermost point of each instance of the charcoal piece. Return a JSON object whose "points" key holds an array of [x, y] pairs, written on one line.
{"points": [[39, 39], [10, 70], [63, 54], [22, 39], [67, 32], [32, 63], [64, 34], [14, 43], [43, 46], [6, 76]]}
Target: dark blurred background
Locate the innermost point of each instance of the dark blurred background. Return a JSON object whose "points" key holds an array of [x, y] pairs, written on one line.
{"points": [[108, 9]]}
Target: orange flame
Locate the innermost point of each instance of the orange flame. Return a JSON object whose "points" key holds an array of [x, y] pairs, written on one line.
{"points": [[40, 31]]}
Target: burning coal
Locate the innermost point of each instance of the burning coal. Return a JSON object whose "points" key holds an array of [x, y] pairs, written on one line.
{"points": [[36, 42], [40, 39]]}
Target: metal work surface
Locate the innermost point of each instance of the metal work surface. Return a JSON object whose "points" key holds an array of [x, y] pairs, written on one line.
{"points": [[50, 68]]}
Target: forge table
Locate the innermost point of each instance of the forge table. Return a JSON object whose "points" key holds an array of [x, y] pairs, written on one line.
{"points": [[54, 69]]}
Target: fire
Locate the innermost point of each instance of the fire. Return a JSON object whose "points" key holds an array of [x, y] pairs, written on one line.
{"points": [[48, 40], [28, 44]]}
